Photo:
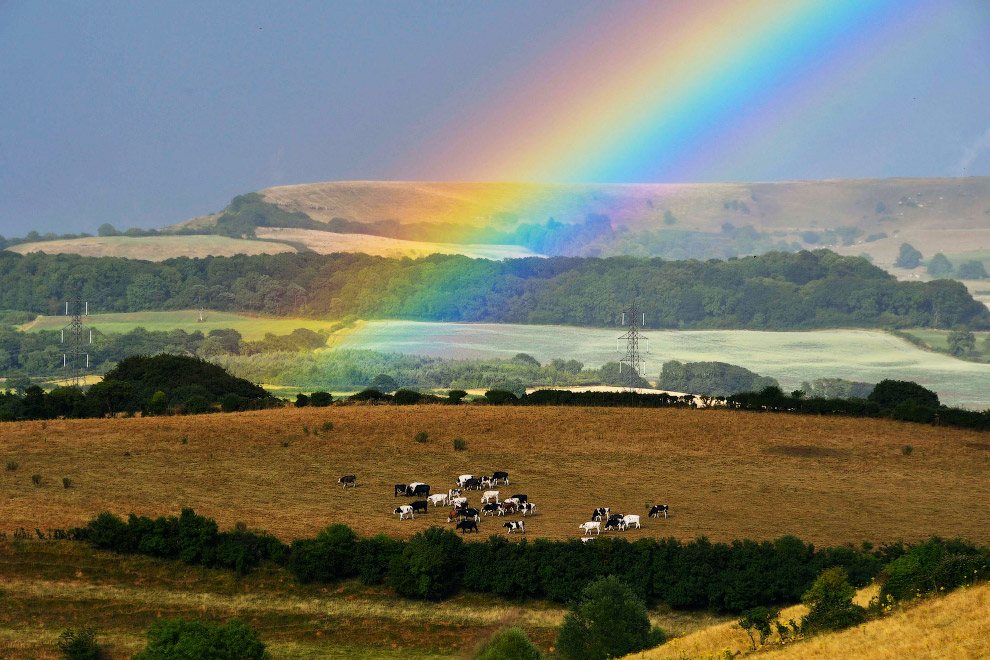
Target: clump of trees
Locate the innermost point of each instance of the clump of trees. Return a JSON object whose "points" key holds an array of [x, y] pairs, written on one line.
{"points": [[711, 378], [179, 639]]}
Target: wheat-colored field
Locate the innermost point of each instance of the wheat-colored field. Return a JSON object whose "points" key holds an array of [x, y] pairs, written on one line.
{"points": [[154, 248], [725, 474]]}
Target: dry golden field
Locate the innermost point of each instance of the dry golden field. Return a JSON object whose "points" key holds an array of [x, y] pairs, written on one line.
{"points": [[724, 474], [154, 248]]}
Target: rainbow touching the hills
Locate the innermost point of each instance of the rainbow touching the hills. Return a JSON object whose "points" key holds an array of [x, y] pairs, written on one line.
{"points": [[659, 91]]}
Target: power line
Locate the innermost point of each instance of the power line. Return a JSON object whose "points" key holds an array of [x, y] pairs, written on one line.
{"points": [[632, 366], [75, 356]]}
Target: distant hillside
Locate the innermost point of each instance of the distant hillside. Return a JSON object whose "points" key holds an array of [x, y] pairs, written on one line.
{"points": [[154, 248]]}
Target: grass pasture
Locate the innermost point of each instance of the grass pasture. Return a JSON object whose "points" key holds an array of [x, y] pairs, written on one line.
{"points": [[725, 474], [790, 357], [154, 248], [251, 326]]}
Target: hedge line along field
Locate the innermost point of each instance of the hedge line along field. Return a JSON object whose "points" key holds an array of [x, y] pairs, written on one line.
{"points": [[725, 474]]}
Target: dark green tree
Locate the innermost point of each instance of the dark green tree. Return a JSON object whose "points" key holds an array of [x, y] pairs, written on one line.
{"points": [[383, 383], [430, 566], [961, 342], [830, 603], [79, 644], [106, 229], [508, 644], [178, 639], [908, 257], [939, 265], [888, 394], [972, 270]]}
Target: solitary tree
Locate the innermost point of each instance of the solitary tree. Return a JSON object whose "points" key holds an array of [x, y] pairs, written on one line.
{"points": [[508, 644], [909, 257], [972, 270], [830, 603], [961, 342], [106, 229], [939, 265]]}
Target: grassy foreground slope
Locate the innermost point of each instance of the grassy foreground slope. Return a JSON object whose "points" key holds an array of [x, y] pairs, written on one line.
{"points": [[725, 474], [154, 248]]}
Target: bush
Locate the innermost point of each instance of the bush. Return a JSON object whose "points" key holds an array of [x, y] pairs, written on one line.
{"points": [[932, 567], [233, 403], [759, 620], [158, 403], [197, 405], [369, 394], [459, 444], [608, 621], [499, 397], [430, 566], [907, 450], [455, 396], [66, 482], [508, 644], [383, 383], [374, 556], [36, 479], [79, 644], [177, 639], [12, 465], [328, 557], [888, 394], [301, 400], [327, 426], [406, 397], [830, 603], [320, 399], [422, 436]]}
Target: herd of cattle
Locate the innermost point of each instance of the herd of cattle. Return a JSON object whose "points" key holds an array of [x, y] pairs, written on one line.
{"points": [[467, 517]]}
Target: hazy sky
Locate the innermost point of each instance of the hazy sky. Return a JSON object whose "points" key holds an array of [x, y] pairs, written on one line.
{"points": [[146, 114]]}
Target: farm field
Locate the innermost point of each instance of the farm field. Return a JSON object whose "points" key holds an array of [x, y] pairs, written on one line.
{"points": [[251, 326], [154, 248], [790, 357], [940, 338], [825, 480]]}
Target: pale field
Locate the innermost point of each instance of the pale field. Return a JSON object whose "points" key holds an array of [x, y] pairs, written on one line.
{"points": [[725, 474], [948, 240], [154, 248], [251, 326], [955, 627], [790, 357], [326, 242]]}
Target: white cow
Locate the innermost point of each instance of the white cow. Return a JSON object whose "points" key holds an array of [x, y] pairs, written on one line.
{"points": [[585, 539], [438, 499], [631, 521], [588, 526], [461, 480], [458, 501], [488, 495], [403, 511]]}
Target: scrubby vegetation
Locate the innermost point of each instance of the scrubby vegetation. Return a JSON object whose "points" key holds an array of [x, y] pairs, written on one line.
{"points": [[711, 378]]}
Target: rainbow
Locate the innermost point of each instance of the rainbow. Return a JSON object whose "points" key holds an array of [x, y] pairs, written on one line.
{"points": [[660, 91]]}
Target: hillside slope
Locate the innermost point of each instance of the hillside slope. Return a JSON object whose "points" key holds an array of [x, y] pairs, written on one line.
{"points": [[154, 248]]}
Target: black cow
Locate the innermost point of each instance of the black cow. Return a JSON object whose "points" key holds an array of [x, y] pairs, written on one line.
{"points": [[467, 526], [658, 509], [520, 498], [515, 527], [614, 521], [474, 483], [491, 508], [420, 506], [347, 480], [500, 476], [422, 490], [400, 489], [600, 513], [470, 512]]}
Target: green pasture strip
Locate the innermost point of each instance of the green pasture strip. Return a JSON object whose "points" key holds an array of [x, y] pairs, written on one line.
{"points": [[940, 338], [251, 327]]}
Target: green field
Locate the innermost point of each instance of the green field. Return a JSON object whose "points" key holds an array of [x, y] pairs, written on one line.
{"points": [[939, 339], [251, 327], [790, 357]]}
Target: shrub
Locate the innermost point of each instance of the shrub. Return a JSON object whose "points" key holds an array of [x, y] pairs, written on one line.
{"points": [[406, 397], [233, 403], [197, 405], [608, 621], [66, 482], [888, 394], [177, 639], [369, 394], [759, 620], [306, 429], [430, 566], [422, 436], [374, 556], [383, 383], [830, 603], [508, 644], [931, 567], [12, 465], [455, 396], [320, 399], [158, 403], [328, 557], [301, 400], [327, 426], [79, 644], [36, 479], [459, 444], [499, 397], [907, 449]]}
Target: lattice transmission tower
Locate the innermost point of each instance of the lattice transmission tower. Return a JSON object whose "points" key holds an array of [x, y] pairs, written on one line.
{"points": [[75, 343], [632, 365]]}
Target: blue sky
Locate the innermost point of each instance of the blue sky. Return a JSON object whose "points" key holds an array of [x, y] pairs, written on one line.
{"points": [[143, 114]]}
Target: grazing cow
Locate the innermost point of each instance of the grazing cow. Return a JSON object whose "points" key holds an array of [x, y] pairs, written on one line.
{"points": [[527, 507], [519, 526], [615, 522], [585, 539], [421, 506], [588, 526], [454, 492], [486, 482], [500, 476], [438, 499], [404, 511], [458, 501], [463, 478], [473, 484], [488, 495], [658, 509], [470, 513], [508, 506], [418, 490], [467, 526], [520, 498], [400, 489], [347, 480], [453, 514], [631, 521], [600, 513], [490, 509]]}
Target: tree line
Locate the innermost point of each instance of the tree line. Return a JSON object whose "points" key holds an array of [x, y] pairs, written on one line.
{"points": [[775, 291]]}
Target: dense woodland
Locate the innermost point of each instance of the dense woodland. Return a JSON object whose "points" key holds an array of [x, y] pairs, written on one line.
{"points": [[775, 291]]}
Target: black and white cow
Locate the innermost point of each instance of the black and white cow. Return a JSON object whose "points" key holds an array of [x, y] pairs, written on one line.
{"points": [[473, 483], [403, 511], [518, 526], [658, 509], [463, 478], [491, 508], [467, 526], [400, 489], [601, 513], [420, 506], [527, 508], [470, 513], [615, 521], [520, 498], [418, 490], [500, 477], [347, 480]]}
